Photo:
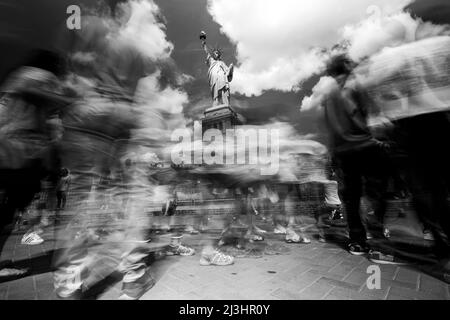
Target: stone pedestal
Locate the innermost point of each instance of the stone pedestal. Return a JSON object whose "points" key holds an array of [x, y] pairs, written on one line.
{"points": [[221, 117]]}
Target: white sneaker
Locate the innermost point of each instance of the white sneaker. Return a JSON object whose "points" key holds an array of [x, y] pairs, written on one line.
{"points": [[216, 258], [11, 272], [32, 239], [293, 237], [280, 230]]}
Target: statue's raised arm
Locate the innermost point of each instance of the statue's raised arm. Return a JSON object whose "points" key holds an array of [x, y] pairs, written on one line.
{"points": [[219, 74]]}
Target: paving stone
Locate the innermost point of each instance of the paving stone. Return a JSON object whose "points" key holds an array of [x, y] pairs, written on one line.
{"points": [[160, 292], [176, 284], [306, 278], [333, 296], [338, 283], [25, 284], [21, 254], [326, 274], [342, 269], [44, 285], [315, 291], [35, 251], [414, 294], [285, 294], [3, 292], [376, 293], [290, 273], [433, 285], [396, 297], [356, 277], [352, 294], [192, 296], [46, 295], [408, 276], [398, 284], [22, 289], [210, 292]]}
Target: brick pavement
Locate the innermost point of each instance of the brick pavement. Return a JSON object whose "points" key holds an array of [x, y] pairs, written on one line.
{"points": [[315, 271]]}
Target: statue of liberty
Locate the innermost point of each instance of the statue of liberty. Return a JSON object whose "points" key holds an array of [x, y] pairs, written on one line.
{"points": [[219, 74]]}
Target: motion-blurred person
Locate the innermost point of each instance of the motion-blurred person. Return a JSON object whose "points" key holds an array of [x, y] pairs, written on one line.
{"points": [[29, 133], [357, 153], [99, 136], [292, 236], [412, 88], [62, 188]]}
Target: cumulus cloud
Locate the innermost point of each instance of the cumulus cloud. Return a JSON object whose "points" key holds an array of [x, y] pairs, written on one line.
{"points": [[380, 30], [372, 37], [168, 100], [161, 109], [144, 30], [280, 43], [324, 86]]}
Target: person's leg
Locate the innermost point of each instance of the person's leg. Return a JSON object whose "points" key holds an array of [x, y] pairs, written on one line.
{"points": [[72, 261], [58, 199], [351, 192], [376, 170], [63, 199], [426, 144], [136, 277], [291, 235]]}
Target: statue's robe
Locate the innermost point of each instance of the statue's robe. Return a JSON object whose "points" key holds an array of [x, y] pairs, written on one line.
{"points": [[218, 77]]}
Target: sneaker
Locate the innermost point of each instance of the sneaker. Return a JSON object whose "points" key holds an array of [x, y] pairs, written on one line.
{"points": [[381, 258], [280, 230], [216, 258], [293, 237], [180, 250], [357, 249], [135, 290], [254, 237], [428, 235], [12, 272], [32, 239], [68, 282], [75, 295]]}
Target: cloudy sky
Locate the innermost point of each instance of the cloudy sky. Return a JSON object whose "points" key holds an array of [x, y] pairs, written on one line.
{"points": [[278, 46]]}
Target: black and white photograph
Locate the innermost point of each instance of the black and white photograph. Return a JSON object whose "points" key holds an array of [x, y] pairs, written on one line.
{"points": [[225, 154]]}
